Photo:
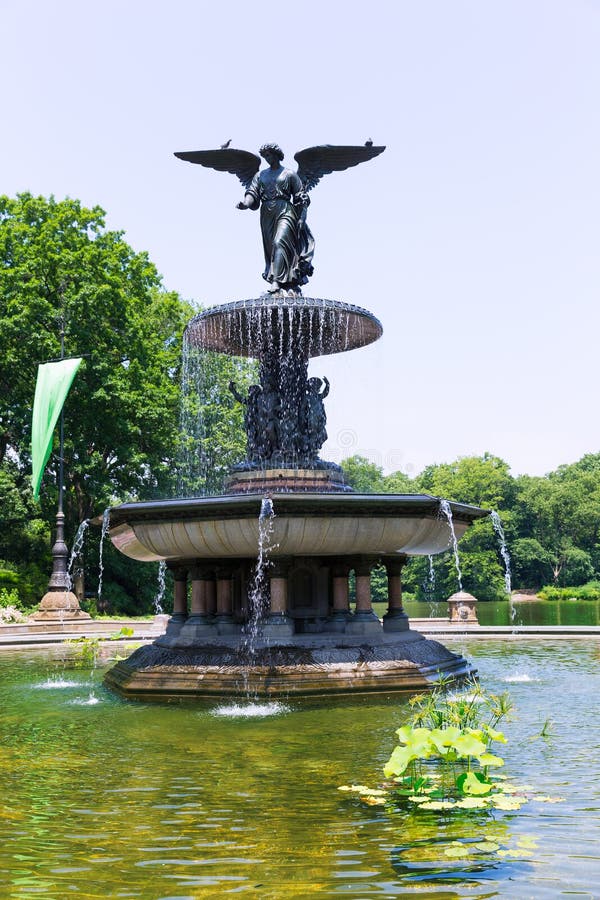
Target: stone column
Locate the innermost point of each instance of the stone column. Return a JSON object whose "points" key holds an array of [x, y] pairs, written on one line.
{"points": [[180, 595], [210, 589], [199, 623], [395, 618], [364, 620], [279, 624], [341, 597], [179, 616], [224, 617]]}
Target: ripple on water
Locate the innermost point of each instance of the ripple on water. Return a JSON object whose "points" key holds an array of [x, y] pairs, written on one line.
{"points": [[520, 678], [52, 684], [250, 710], [92, 700]]}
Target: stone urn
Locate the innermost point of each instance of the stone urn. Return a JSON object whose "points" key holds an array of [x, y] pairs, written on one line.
{"points": [[462, 609]]}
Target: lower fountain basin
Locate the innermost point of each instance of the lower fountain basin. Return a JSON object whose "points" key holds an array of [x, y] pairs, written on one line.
{"points": [[305, 667], [304, 525]]}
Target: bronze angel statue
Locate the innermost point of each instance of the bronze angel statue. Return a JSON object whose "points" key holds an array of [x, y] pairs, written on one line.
{"points": [[282, 196]]}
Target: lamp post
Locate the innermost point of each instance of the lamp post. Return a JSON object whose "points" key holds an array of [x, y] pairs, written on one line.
{"points": [[59, 603]]}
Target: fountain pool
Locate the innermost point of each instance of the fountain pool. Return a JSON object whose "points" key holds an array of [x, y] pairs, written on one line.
{"points": [[207, 802]]}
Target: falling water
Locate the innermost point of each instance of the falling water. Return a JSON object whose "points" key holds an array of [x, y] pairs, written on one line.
{"points": [[76, 549], [105, 527], [160, 590], [429, 587], [497, 523], [258, 594], [446, 510]]}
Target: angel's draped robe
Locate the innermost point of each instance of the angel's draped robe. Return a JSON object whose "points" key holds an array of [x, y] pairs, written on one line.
{"points": [[287, 241]]}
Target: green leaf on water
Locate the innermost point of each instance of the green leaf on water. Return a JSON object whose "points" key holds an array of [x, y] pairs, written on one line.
{"points": [[473, 784], [398, 761], [469, 745], [527, 843], [488, 759], [507, 803], [456, 852], [473, 802], [494, 735], [438, 804], [487, 846]]}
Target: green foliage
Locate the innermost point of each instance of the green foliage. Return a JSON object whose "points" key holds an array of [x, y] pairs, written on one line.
{"points": [[483, 481], [444, 757], [57, 260], [589, 591], [10, 607], [86, 651], [362, 475], [124, 632]]}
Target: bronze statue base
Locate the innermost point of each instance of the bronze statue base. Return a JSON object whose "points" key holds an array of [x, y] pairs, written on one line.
{"points": [[265, 481]]}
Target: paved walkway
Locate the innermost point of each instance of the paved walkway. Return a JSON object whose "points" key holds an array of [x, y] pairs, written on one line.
{"points": [[14, 637]]}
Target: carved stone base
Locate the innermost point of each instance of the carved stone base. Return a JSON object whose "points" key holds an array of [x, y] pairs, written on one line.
{"points": [[59, 606], [330, 480], [306, 668]]}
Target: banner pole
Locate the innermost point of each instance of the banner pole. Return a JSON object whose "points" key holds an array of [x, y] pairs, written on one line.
{"points": [[59, 602]]}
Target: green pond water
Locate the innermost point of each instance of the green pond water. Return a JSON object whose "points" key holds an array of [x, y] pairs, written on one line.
{"points": [[104, 798], [530, 612]]}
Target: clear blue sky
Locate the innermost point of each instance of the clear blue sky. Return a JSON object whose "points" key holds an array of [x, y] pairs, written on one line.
{"points": [[474, 238]]}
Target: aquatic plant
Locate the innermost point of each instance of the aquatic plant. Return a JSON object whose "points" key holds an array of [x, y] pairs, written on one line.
{"points": [[125, 632], [444, 757], [86, 650]]}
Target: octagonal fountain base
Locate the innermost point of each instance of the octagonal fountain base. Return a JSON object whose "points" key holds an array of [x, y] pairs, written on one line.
{"points": [[310, 667]]}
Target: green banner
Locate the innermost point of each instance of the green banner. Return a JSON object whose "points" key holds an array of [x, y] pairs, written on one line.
{"points": [[53, 383]]}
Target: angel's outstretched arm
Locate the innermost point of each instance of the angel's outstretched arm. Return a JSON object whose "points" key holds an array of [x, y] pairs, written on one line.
{"points": [[241, 163], [249, 202], [252, 196]]}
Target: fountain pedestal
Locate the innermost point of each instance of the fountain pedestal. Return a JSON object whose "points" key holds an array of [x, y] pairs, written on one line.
{"points": [[288, 629]]}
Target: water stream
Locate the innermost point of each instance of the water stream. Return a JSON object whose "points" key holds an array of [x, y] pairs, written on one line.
{"points": [[105, 527], [76, 549], [497, 523], [446, 511], [160, 588]]}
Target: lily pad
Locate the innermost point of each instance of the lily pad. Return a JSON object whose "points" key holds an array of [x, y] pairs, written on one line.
{"points": [[487, 846], [456, 852], [507, 803], [438, 804], [473, 802]]}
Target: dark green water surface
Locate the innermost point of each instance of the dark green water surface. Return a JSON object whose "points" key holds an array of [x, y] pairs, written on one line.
{"points": [[103, 798], [530, 612]]}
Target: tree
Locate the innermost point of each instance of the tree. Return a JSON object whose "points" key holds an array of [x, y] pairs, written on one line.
{"points": [[480, 480], [58, 263], [362, 475]]}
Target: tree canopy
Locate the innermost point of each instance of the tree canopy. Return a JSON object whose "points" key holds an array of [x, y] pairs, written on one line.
{"points": [[61, 269]]}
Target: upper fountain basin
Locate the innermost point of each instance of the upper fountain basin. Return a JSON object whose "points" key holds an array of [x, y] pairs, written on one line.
{"points": [[227, 527], [304, 325]]}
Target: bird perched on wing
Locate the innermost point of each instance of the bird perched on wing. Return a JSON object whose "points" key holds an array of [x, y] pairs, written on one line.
{"points": [[226, 144], [369, 142]]}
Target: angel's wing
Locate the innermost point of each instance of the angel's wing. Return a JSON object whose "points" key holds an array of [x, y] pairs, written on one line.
{"points": [[239, 162], [314, 162]]}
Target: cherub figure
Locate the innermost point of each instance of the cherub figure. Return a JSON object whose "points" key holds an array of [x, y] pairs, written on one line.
{"points": [[316, 418], [251, 417]]}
